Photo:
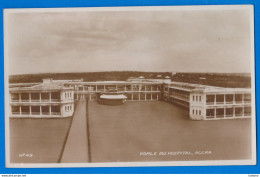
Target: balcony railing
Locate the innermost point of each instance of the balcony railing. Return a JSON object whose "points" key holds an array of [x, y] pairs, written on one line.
{"points": [[229, 115], [15, 113], [36, 113], [36, 101], [228, 102]]}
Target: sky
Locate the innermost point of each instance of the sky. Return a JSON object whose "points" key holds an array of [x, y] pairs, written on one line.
{"points": [[154, 41]]}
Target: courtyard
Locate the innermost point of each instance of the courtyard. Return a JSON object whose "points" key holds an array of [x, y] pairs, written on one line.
{"points": [[134, 131]]}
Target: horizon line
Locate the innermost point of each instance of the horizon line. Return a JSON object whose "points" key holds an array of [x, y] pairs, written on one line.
{"points": [[132, 71]]}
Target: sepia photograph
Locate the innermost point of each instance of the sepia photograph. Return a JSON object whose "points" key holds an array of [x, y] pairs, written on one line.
{"points": [[130, 86]]}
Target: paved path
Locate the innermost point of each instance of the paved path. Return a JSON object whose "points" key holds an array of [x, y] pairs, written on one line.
{"points": [[76, 147]]}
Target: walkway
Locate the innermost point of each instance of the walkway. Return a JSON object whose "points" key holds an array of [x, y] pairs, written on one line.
{"points": [[76, 147]]}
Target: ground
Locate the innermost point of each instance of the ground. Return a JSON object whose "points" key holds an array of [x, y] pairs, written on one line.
{"points": [[43, 139], [121, 133]]}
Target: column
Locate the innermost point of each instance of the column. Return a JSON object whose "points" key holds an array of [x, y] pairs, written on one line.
{"points": [[151, 96], [30, 108], [234, 98], [139, 96], [50, 96], [40, 110], [104, 88], [145, 89], [215, 99], [157, 87], [30, 99], [20, 97], [215, 113], [96, 88], [243, 96], [20, 109], [224, 111], [40, 94], [151, 87], [77, 96], [50, 109], [144, 96], [234, 112], [243, 111], [224, 99], [132, 96], [157, 96]]}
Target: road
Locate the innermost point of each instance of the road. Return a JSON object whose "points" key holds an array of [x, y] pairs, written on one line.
{"points": [[76, 147]]}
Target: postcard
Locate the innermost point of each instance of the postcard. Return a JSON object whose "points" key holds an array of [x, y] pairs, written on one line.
{"points": [[130, 86]]}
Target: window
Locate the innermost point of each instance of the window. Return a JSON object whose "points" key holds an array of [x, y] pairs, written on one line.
{"points": [[193, 98], [196, 112], [200, 98], [199, 112], [192, 111], [196, 98]]}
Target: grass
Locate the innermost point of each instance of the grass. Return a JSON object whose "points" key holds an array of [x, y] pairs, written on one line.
{"points": [[41, 138], [121, 133]]}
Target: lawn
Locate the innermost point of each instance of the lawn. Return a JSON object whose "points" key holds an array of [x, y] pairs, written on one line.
{"points": [[131, 132], [134, 132], [37, 140]]}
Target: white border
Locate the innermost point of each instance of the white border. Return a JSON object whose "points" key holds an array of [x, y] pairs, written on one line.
{"points": [[131, 164]]}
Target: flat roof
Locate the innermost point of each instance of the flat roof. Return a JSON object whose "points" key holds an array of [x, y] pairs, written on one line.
{"points": [[61, 85]]}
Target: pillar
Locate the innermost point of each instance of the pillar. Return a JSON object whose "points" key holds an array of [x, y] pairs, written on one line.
{"points": [[157, 96], [30, 99], [234, 98], [40, 110], [243, 111], [215, 99], [224, 99], [50, 96], [243, 97], [144, 96], [132, 96], [20, 110], [50, 109], [30, 107], [104, 88], [20, 97], [224, 111], [234, 114], [215, 113], [40, 94], [139, 96], [145, 89], [96, 88]]}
